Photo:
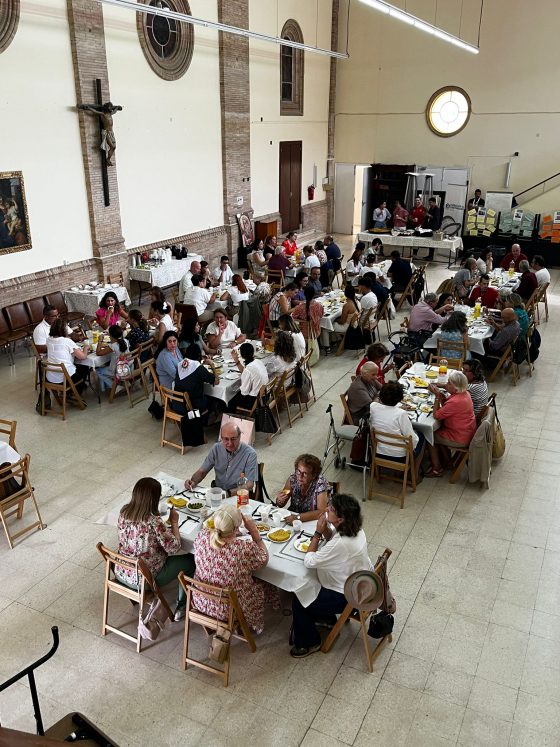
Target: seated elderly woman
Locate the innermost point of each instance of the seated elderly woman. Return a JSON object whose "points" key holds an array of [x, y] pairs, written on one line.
{"points": [[224, 558], [168, 356], [515, 302], [307, 490], [344, 552], [458, 424], [143, 535], [222, 333], [386, 417], [110, 311]]}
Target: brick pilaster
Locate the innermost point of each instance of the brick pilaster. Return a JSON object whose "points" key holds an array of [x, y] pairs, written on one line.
{"points": [[89, 58], [329, 196], [236, 124]]}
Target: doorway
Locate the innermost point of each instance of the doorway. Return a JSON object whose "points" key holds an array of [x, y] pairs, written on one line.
{"points": [[290, 185]]}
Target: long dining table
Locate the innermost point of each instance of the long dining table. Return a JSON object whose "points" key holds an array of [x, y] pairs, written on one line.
{"points": [[285, 568], [418, 401]]}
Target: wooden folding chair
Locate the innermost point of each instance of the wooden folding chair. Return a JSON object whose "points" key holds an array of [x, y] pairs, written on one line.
{"points": [[361, 616], [408, 469], [234, 620], [408, 293], [12, 502], [353, 321], [454, 363], [137, 375], [169, 397], [531, 305], [249, 412], [368, 327], [62, 392], [288, 392], [347, 415], [456, 347], [115, 277], [307, 370], [257, 493], [382, 313], [505, 360], [38, 358], [276, 278], [146, 582], [543, 298], [8, 427]]}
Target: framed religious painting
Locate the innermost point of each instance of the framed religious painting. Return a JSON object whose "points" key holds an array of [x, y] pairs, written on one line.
{"points": [[246, 229], [14, 221]]}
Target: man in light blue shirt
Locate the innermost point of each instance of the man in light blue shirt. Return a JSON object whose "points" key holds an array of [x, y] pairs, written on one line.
{"points": [[229, 458]]}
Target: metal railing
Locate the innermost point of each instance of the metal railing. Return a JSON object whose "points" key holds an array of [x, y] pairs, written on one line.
{"points": [[543, 185]]}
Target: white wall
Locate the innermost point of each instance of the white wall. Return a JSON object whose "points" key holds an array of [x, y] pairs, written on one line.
{"points": [[382, 91], [40, 137], [169, 133], [268, 128]]}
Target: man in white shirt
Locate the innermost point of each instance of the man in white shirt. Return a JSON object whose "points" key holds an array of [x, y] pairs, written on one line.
{"points": [[201, 299], [538, 267], [311, 259], [368, 299], [186, 280], [223, 273], [253, 376], [42, 330]]}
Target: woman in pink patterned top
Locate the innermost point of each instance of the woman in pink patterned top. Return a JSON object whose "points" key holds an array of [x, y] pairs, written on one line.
{"points": [[309, 311], [142, 534], [224, 558]]}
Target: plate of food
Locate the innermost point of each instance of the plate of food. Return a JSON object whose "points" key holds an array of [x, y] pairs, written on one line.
{"points": [[421, 383], [431, 374], [262, 527], [279, 536], [302, 545], [422, 395], [426, 408], [195, 505], [175, 501], [409, 406]]}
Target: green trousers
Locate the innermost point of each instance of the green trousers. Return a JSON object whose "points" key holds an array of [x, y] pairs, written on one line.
{"points": [[170, 571]]}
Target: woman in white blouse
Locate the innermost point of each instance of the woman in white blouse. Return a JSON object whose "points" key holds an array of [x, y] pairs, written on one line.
{"points": [[61, 349], [386, 417], [163, 320], [253, 376], [237, 292], [287, 324], [284, 356], [354, 265], [344, 552], [222, 333]]}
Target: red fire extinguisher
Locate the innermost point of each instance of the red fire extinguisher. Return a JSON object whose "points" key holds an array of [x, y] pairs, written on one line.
{"points": [[311, 192]]}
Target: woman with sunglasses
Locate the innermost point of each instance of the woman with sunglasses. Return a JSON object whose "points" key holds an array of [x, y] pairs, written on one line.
{"points": [[337, 549], [307, 489]]}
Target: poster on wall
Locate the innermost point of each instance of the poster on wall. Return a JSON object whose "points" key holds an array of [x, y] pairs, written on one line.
{"points": [[14, 222]]}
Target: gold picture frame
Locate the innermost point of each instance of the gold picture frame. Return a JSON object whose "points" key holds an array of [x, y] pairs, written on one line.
{"points": [[15, 235]]}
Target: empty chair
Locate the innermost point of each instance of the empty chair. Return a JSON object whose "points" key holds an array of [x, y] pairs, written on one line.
{"points": [[16, 492]]}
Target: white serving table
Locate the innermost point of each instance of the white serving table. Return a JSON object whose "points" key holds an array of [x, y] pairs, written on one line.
{"points": [[450, 247], [165, 274], [285, 569], [87, 301]]}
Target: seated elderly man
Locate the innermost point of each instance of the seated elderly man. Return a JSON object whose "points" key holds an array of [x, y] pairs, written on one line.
{"points": [[516, 256], [506, 331], [186, 280], [279, 261], [484, 293], [464, 280], [425, 317], [528, 282], [363, 391], [539, 268], [228, 458]]}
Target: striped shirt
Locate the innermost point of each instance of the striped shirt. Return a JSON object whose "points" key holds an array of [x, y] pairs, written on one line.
{"points": [[479, 395]]}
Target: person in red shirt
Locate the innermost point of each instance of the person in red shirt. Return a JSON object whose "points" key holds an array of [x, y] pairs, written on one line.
{"points": [[482, 292], [458, 423], [376, 353], [516, 255], [418, 214], [289, 244]]}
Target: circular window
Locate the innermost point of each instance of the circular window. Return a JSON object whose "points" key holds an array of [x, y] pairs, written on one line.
{"points": [[167, 44], [448, 111], [9, 18]]}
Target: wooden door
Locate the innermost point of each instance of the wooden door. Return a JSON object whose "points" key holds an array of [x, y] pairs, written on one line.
{"points": [[290, 185]]}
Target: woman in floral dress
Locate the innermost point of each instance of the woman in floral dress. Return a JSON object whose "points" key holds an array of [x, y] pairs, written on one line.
{"points": [[226, 559], [142, 534], [307, 488]]}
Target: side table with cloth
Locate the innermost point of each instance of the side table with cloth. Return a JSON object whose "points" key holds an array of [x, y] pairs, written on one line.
{"points": [[285, 568], [451, 246], [164, 275], [87, 301]]}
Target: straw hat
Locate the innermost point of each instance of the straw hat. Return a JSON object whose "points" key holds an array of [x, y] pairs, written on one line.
{"points": [[364, 590]]}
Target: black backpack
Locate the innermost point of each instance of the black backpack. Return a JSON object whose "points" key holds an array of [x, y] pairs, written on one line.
{"points": [[534, 347], [520, 350]]}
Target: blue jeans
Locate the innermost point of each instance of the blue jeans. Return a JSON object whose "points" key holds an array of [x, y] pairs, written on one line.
{"points": [[105, 378], [327, 604]]}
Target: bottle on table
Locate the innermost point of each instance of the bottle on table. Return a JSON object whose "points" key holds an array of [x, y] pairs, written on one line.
{"points": [[511, 271], [242, 491], [442, 371], [477, 308]]}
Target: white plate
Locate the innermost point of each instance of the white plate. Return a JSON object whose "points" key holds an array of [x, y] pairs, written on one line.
{"points": [[195, 500], [300, 542], [229, 376], [115, 285]]}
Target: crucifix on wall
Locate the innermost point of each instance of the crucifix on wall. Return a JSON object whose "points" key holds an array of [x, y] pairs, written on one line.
{"points": [[104, 111]]}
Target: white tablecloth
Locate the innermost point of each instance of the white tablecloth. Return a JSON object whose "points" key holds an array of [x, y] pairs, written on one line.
{"points": [[425, 422], [453, 245], [477, 335], [87, 301], [332, 312], [165, 274], [288, 573], [503, 283], [228, 387], [7, 454]]}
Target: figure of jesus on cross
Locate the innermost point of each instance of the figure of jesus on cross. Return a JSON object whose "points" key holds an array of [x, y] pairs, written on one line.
{"points": [[105, 113]]}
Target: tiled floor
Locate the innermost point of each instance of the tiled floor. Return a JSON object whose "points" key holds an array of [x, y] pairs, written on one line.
{"points": [[476, 652]]}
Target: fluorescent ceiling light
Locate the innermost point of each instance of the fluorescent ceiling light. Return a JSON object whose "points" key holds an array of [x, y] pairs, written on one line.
{"points": [[185, 18], [411, 20]]}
